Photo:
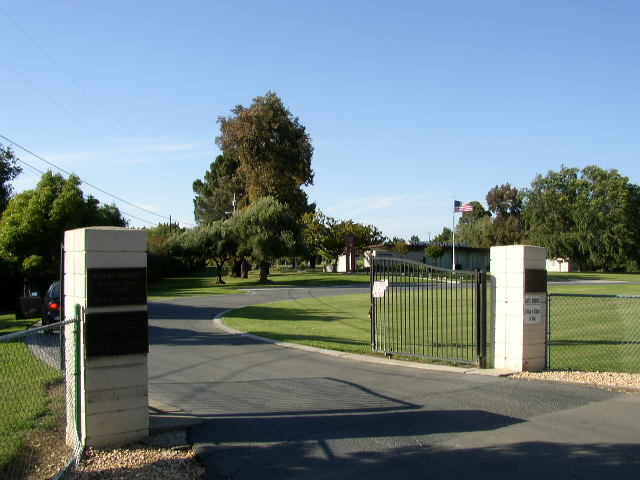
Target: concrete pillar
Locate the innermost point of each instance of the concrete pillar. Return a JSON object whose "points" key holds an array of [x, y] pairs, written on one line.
{"points": [[520, 322], [105, 274]]}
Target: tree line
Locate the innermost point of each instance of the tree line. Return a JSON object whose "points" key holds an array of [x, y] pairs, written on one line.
{"points": [[590, 216], [32, 226]]}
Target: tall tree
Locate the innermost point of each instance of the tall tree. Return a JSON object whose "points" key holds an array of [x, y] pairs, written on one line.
{"points": [[33, 225], [505, 203], [213, 242], [444, 237], [9, 169], [591, 216], [273, 151], [325, 235], [266, 231], [220, 192], [473, 227]]}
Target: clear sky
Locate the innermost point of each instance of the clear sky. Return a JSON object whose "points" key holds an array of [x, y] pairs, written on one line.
{"points": [[408, 103]]}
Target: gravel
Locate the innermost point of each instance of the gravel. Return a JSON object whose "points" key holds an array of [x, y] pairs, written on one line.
{"points": [[162, 457], [627, 382]]}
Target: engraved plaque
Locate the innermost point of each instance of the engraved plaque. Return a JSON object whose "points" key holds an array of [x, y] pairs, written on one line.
{"points": [[107, 287], [116, 333], [535, 281]]}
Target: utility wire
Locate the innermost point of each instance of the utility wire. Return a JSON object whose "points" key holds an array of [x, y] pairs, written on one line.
{"points": [[79, 85], [66, 72], [42, 172], [72, 116], [83, 181]]}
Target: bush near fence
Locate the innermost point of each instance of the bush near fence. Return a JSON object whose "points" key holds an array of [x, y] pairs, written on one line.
{"points": [[594, 332]]}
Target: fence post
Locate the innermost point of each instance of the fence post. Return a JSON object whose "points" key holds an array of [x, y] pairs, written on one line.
{"points": [[481, 318], [372, 305]]}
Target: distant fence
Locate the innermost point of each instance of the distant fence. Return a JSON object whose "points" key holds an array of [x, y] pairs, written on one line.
{"points": [[39, 435], [593, 332]]}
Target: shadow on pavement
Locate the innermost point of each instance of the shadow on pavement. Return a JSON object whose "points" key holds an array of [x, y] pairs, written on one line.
{"points": [[527, 460]]}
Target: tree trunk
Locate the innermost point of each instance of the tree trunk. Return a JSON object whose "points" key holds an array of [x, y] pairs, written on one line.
{"points": [[236, 269], [245, 268], [264, 272], [219, 266], [312, 261]]}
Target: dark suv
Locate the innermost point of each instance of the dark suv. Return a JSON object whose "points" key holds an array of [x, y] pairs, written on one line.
{"points": [[51, 305]]}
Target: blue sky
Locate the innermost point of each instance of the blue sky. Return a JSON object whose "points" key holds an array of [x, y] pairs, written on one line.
{"points": [[409, 103]]}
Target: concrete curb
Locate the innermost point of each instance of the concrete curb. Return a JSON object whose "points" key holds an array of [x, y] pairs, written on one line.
{"points": [[491, 372]]}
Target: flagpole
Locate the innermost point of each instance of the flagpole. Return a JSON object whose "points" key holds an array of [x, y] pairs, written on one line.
{"points": [[453, 230]]}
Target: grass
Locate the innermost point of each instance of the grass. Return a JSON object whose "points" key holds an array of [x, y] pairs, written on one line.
{"points": [[599, 335], [595, 333], [203, 282], [9, 324], [336, 323], [24, 401], [342, 323], [565, 277], [613, 289]]}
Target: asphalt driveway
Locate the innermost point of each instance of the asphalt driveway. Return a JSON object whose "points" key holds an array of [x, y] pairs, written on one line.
{"points": [[265, 411]]}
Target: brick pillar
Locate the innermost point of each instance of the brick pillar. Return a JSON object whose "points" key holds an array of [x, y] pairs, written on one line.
{"points": [[520, 321], [105, 274]]}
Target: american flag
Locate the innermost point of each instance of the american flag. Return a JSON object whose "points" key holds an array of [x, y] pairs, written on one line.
{"points": [[462, 206]]}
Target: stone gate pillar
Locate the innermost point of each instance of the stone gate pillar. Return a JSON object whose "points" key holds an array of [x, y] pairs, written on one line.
{"points": [[520, 323], [105, 274]]}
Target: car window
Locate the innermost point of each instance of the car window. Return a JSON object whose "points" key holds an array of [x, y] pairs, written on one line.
{"points": [[55, 290]]}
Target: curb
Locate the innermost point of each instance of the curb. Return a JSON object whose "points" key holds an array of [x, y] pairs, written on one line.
{"points": [[490, 372]]}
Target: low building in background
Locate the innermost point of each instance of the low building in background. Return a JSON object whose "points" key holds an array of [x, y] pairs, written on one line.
{"points": [[467, 258], [560, 265]]}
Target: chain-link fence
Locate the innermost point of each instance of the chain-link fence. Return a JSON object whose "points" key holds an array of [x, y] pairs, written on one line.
{"points": [[594, 332], [38, 433]]}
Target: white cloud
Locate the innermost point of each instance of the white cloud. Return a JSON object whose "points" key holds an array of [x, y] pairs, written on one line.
{"points": [[133, 151], [357, 206]]}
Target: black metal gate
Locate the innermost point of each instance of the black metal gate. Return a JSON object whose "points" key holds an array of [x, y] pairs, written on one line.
{"points": [[424, 311]]}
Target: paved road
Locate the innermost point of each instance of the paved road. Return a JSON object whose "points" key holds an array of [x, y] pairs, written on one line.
{"points": [[269, 412]]}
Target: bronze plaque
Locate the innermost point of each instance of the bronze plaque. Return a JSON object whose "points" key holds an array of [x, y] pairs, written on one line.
{"points": [[535, 281], [108, 287], [116, 333]]}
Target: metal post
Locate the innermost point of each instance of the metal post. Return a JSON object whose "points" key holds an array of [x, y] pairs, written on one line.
{"points": [[547, 350], [372, 306], [481, 319]]}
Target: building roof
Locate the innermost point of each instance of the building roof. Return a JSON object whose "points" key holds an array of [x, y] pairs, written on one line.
{"points": [[422, 245]]}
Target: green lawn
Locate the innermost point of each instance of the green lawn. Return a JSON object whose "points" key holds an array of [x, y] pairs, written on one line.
{"points": [[626, 277], [25, 402], [342, 323], [203, 282], [589, 336], [595, 333], [612, 289], [9, 324], [336, 323]]}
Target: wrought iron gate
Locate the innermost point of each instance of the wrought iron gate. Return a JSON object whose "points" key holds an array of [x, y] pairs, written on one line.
{"points": [[424, 311]]}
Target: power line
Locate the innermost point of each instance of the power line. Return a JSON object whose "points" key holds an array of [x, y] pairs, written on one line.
{"points": [[84, 181], [79, 85], [68, 74], [42, 172]]}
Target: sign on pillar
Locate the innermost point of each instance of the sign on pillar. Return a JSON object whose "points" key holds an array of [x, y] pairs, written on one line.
{"points": [[105, 274], [520, 322]]}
